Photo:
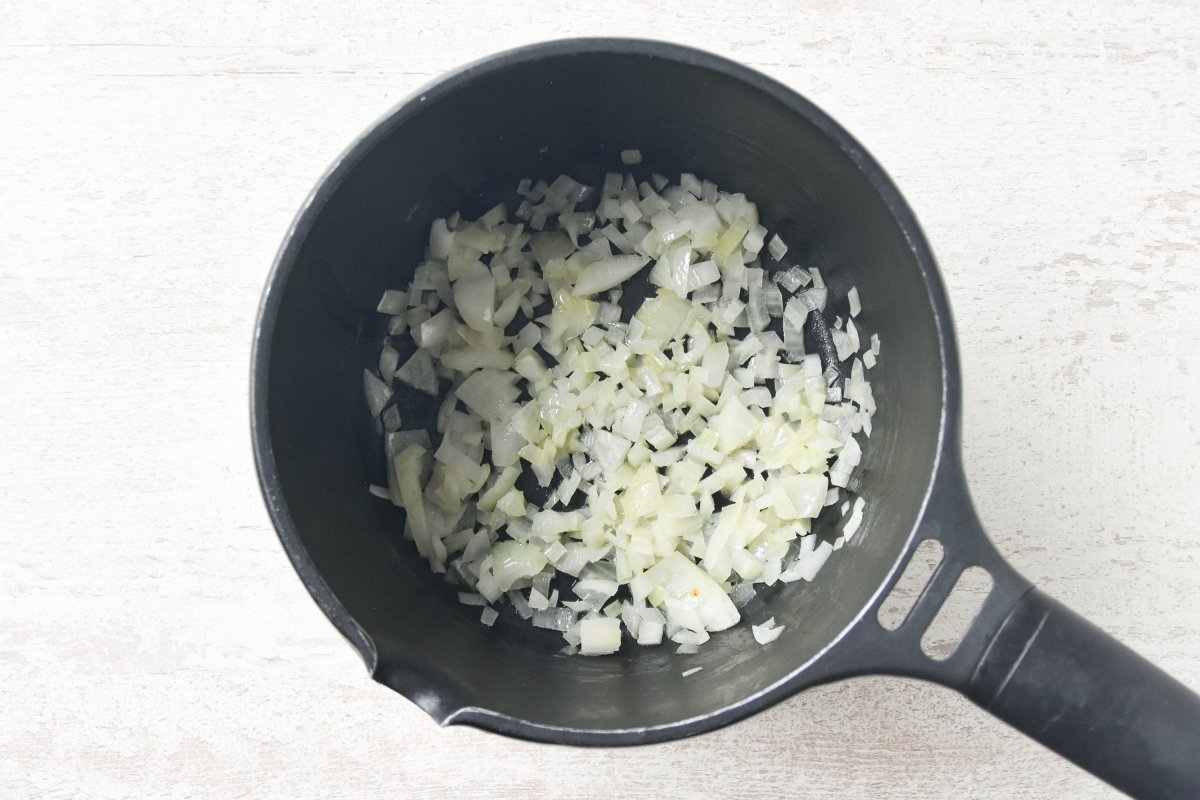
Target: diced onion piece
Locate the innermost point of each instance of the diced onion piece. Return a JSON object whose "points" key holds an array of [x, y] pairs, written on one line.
{"points": [[440, 239], [512, 561], [389, 360], [475, 297], [814, 298], [378, 393], [777, 248], [631, 156], [487, 391], [607, 273], [677, 577], [764, 634], [855, 304], [843, 344], [418, 373], [808, 566], [537, 600], [599, 636], [393, 302], [512, 503], [793, 279], [408, 469], [735, 425], [806, 493], [663, 316], [855, 521], [650, 633], [555, 619]]}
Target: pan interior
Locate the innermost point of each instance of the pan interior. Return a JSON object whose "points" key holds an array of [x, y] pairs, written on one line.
{"points": [[462, 147]]}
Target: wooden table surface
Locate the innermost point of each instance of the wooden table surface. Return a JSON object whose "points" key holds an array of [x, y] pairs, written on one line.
{"points": [[154, 641]]}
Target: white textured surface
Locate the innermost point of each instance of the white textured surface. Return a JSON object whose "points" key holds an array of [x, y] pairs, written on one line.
{"points": [[154, 641]]}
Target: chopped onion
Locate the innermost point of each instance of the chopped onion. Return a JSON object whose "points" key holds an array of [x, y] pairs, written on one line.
{"points": [[378, 393], [683, 454], [677, 577], [813, 298], [607, 273], [767, 632], [393, 302], [777, 248], [440, 239], [389, 360], [555, 619], [418, 373], [631, 156], [599, 636], [856, 514], [794, 279]]}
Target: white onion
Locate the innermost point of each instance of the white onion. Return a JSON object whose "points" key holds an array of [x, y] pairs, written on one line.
{"points": [[389, 360], [538, 601], [814, 298], [440, 239], [843, 344], [650, 633], [678, 578], [856, 515], [607, 273], [808, 566], [393, 302], [777, 248], [487, 392], [418, 373], [855, 304], [512, 560], [794, 279], [767, 632], [377, 391], [640, 431], [555, 619], [599, 635]]}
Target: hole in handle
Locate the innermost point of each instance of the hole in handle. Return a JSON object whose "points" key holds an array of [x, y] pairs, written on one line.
{"points": [[895, 609], [958, 611]]}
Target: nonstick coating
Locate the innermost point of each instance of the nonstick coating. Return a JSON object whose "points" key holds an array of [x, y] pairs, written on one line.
{"points": [[463, 144]]}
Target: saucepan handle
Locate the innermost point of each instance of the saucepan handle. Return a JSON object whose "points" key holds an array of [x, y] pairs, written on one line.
{"points": [[1035, 664], [1059, 679]]}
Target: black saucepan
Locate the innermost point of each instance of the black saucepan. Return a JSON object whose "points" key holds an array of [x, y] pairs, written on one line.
{"points": [[462, 144]]}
